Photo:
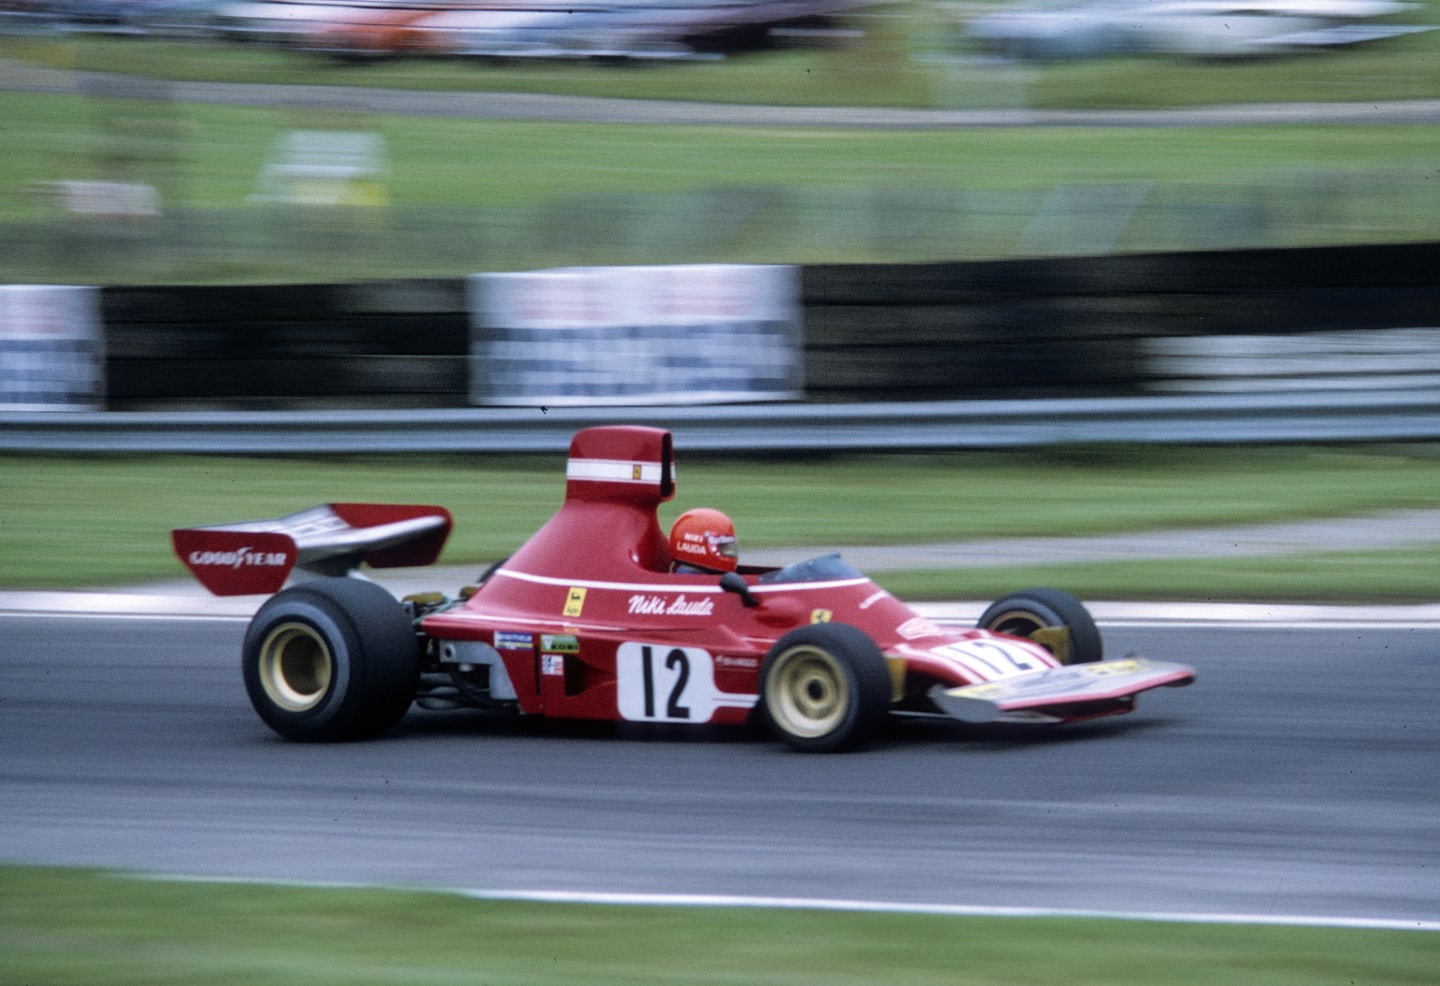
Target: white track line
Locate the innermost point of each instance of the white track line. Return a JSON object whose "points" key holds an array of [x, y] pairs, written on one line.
{"points": [[955, 910], [843, 905]]}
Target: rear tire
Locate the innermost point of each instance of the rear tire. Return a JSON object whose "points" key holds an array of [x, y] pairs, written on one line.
{"points": [[331, 660], [1021, 614], [824, 688]]}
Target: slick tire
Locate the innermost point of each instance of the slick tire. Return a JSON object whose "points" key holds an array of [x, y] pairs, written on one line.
{"points": [[331, 660], [824, 688], [1022, 614]]}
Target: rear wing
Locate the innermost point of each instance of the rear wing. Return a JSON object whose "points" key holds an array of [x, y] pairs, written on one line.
{"points": [[333, 539]]}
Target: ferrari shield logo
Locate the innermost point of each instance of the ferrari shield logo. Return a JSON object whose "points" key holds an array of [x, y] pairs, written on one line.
{"points": [[820, 616], [575, 602]]}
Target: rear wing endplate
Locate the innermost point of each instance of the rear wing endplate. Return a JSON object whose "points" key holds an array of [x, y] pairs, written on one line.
{"points": [[257, 556]]}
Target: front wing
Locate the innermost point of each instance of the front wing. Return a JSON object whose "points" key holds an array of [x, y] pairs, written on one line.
{"points": [[1078, 691]]}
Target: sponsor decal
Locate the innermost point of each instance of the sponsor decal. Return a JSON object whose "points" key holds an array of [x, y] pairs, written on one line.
{"points": [[820, 615], [642, 604], [575, 601], [745, 663], [240, 558], [705, 545], [559, 643], [552, 665], [691, 544], [1061, 683], [505, 640], [1108, 668]]}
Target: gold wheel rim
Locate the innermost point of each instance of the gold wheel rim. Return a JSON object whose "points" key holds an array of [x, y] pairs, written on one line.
{"points": [[1016, 623], [807, 693], [296, 667], [1019, 623]]}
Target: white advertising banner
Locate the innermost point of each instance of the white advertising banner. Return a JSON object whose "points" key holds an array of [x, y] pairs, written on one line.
{"points": [[52, 354], [691, 334], [1352, 359]]}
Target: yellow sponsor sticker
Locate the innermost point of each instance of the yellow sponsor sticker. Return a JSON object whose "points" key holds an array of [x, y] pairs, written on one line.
{"points": [[575, 601], [1113, 667], [820, 616]]}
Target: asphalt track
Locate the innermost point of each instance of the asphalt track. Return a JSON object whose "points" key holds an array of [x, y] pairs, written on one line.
{"points": [[1295, 779]]}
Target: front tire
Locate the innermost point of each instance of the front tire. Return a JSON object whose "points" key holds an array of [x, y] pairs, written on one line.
{"points": [[331, 660], [824, 688], [1038, 613]]}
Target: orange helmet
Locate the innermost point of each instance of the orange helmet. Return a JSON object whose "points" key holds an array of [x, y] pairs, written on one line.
{"points": [[704, 538]]}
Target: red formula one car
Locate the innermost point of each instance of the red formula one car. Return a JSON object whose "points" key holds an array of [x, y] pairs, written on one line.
{"points": [[593, 618]]}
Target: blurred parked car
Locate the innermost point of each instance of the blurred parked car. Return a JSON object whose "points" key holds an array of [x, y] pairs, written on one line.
{"points": [[534, 28], [1193, 28]]}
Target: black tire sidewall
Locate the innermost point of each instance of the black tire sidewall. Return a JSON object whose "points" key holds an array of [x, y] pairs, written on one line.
{"points": [[373, 648], [1053, 607], [867, 683]]}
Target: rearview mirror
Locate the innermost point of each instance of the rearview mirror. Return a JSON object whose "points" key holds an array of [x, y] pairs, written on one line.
{"points": [[731, 582]]}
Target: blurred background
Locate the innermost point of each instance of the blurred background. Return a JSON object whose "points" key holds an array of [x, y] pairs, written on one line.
{"points": [[213, 141], [222, 206]]}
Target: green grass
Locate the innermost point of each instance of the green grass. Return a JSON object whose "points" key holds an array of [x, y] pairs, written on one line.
{"points": [[220, 150], [76, 522], [466, 195], [1398, 576], [82, 928]]}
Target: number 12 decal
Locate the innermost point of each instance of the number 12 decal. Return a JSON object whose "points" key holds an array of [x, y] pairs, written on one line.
{"points": [[677, 661], [665, 683], [989, 659]]}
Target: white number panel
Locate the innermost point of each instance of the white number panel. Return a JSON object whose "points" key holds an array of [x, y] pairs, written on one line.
{"points": [[988, 660], [665, 683]]}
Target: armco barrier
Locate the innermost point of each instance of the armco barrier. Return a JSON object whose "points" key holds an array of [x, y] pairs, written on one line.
{"points": [[1410, 415], [1045, 328], [400, 343]]}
